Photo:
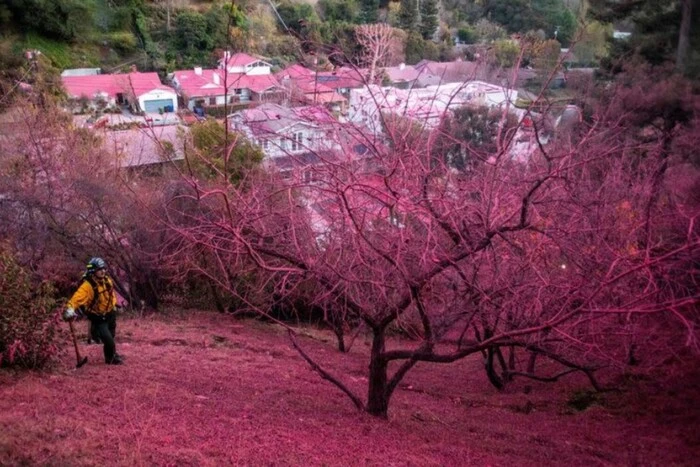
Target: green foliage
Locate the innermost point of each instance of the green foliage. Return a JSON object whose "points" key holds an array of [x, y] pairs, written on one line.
{"points": [[191, 33], [408, 15], [428, 18], [656, 30], [488, 31], [198, 34], [212, 143], [340, 10], [466, 35], [123, 41], [415, 48], [28, 324], [545, 56], [59, 19], [472, 134], [297, 16], [551, 16], [505, 53], [368, 11], [593, 44]]}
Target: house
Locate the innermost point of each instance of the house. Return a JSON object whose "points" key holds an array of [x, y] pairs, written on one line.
{"points": [[138, 147], [402, 76], [426, 106], [432, 73], [343, 79], [308, 87], [244, 64], [240, 79], [293, 139], [143, 92], [281, 131]]}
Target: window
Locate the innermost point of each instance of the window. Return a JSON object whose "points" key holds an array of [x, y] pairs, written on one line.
{"points": [[212, 101], [296, 141], [265, 144], [308, 176]]}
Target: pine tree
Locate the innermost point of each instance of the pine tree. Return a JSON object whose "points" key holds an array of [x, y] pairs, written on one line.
{"points": [[368, 11], [428, 18], [408, 15]]}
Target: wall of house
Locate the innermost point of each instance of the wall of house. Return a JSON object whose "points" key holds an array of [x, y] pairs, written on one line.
{"points": [[261, 69], [157, 94]]}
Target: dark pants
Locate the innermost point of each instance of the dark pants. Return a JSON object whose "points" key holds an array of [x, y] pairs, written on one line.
{"points": [[105, 328]]}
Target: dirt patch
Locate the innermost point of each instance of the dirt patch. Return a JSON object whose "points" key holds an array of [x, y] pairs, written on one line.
{"points": [[207, 389]]}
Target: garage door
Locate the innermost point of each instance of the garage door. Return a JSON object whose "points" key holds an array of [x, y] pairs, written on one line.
{"points": [[155, 106]]}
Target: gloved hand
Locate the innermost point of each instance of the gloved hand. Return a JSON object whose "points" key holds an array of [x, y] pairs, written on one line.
{"points": [[69, 314]]}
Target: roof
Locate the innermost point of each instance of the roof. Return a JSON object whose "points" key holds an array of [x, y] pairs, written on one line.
{"points": [[203, 84], [401, 73], [111, 85], [293, 72], [81, 72], [271, 118], [143, 146], [343, 77], [238, 59], [430, 72]]}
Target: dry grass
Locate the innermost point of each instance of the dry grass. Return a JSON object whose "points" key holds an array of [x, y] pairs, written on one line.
{"points": [[206, 389]]}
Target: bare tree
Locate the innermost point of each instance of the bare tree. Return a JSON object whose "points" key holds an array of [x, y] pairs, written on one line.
{"points": [[376, 41], [560, 256]]}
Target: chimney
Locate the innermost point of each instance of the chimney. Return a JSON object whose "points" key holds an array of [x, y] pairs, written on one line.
{"points": [[198, 70], [215, 78], [402, 66]]}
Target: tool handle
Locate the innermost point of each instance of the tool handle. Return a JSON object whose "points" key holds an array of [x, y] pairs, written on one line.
{"points": [[75, 341]]}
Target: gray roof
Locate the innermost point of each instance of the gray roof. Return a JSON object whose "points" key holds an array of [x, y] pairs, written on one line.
{"points": [[81, 72], [144, 146]]}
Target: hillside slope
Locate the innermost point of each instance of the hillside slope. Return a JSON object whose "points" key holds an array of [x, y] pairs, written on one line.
{"points": [[206, 389]]}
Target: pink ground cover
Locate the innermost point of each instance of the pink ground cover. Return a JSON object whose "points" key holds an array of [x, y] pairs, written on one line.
{"points": [[207, 389]]}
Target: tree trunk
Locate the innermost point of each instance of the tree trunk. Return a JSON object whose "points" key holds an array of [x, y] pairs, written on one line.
{"points": [[218, 303], [168, 7], [684, 35], [377, 397], [531, 363]]}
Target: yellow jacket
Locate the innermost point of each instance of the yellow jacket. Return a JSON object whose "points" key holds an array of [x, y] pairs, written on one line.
{"points": [[106, 296]]}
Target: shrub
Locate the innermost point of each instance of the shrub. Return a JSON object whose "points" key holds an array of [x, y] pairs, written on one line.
{"points": [[28, 322]]}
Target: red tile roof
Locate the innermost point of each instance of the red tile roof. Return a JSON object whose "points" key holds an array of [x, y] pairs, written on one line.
{"points": [[128, 83], [203, 85], [239, 59], [343, 77], [294, 72]]}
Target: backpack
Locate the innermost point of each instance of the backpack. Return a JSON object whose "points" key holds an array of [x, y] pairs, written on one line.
{"points": [[85, 309]]}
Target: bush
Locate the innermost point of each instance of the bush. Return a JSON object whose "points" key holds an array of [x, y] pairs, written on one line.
{"points": [[28, 322]]}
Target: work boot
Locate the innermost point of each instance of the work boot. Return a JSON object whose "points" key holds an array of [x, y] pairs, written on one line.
{"points": [[116, 360]]}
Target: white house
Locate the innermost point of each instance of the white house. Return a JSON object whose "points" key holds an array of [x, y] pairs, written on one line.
{"points": [[244, 63], [299, 140], [240, 79], [141, 91], [426, 106]]}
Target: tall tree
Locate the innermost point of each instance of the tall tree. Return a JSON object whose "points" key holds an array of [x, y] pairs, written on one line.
{"points": [[376, 40], [663, 31], [408, 15], [428, 18], [368, 11], [684, 34]]}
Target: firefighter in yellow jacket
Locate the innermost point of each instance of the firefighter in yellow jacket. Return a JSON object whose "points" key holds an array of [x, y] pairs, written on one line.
{"points": [[97, 297]]}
